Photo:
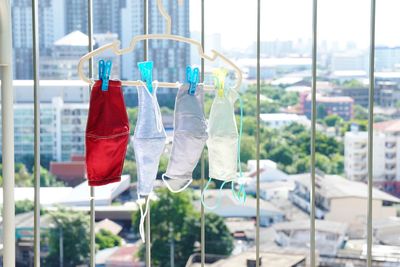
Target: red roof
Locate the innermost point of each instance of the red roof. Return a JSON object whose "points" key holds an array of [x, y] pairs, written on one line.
{"points": [[125, 256], [68, 170], [77, 157], [388, 126]]}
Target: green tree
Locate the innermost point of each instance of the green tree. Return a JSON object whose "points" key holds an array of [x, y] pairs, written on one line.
{"points": [[174, 217], [247, 148], [74, 227], [218, 238], [47, 179], [106, 239], [22, 176], [130, 152], [282, 154], [353, 84], [321, 111], [289, 99], [131, 169], [360, 113], [22, 206], [162, 167], [332, 120], [132, 116]]}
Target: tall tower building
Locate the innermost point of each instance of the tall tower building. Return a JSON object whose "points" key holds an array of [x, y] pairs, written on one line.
{"points": [[170, 57], [49, 11]]}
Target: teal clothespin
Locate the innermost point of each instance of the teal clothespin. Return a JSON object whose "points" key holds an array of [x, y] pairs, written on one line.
{"points": [[101, 69], [104, 73], [146, 71], [192, 77]]}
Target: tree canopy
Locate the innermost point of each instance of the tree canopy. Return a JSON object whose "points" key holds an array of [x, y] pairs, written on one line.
{"points": [[173, 217], [74, 227], [106, 239]]}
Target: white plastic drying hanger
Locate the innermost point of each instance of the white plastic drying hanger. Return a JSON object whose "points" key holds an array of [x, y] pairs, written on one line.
{"points": [[114, 47]]}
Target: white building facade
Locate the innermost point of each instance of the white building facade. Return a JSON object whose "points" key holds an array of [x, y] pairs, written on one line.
{"points": [[386, 156], [62, 129]]}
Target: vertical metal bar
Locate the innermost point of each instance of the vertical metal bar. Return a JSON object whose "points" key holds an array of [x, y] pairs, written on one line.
{"points": [[258, 133], [36, 118], [61, 245], [313, 131], [7, 114], [92, 190], [172, 246], [371, 129], [202, 211], [145, 56]]}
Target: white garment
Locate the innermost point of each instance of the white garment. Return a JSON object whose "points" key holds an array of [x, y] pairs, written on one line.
{"points": [[222, 140]]}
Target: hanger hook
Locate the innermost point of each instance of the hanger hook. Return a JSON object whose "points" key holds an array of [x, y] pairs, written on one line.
{"points": [[166, 16]]}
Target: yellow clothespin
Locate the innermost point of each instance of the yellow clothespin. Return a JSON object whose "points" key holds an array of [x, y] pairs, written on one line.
{"points": [[219, 78]]}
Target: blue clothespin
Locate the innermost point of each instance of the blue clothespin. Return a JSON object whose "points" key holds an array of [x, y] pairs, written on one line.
{"points": [[104, 73], [146, 71], [192, 77], [101, 69]]}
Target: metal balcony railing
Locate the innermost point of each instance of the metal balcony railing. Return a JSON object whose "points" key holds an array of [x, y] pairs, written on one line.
{"points": [[8, 135]]}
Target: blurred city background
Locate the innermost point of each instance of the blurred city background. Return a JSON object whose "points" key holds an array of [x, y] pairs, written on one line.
{"points": [[230, 27]]}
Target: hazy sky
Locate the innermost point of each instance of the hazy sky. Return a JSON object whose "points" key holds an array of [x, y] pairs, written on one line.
{"points": [[338, 20]]}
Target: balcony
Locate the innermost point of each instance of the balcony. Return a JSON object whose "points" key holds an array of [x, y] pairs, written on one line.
{"points": [[390, 166], [390, 145], [390, 155]]}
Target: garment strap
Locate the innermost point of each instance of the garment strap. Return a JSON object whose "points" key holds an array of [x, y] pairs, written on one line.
{"points": [[173, 190], [143, 215], [218, 203], [241, 194]]}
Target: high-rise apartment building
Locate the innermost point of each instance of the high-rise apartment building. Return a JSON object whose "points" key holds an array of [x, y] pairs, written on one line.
{"points": [[50, 13], [170, 57]]}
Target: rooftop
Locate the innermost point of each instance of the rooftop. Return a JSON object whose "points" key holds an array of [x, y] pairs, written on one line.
{"points": [[287, 80], [298, 89], [75, 38], [230, 207], [331, 99], [125, 256], [320, 225], [77, 196], [109, 225], [282, 117], [68, 169], [349, 73], [335, 186], [104, 194], [267, 258], [388, 126], [48, 195], [276, 62]]}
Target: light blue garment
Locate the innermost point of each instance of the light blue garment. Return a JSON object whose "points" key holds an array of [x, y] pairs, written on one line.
{"points": [[149, 139], [148, 143], [190, 135]]}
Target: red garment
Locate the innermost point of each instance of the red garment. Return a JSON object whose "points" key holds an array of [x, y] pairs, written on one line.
{"points": [[107, 134]]}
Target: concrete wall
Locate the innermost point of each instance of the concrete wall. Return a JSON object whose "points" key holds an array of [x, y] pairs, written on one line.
{"points": [[354, 210]]}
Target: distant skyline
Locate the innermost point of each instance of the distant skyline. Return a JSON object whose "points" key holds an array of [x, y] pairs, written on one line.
{"points": [[341, 21]]}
